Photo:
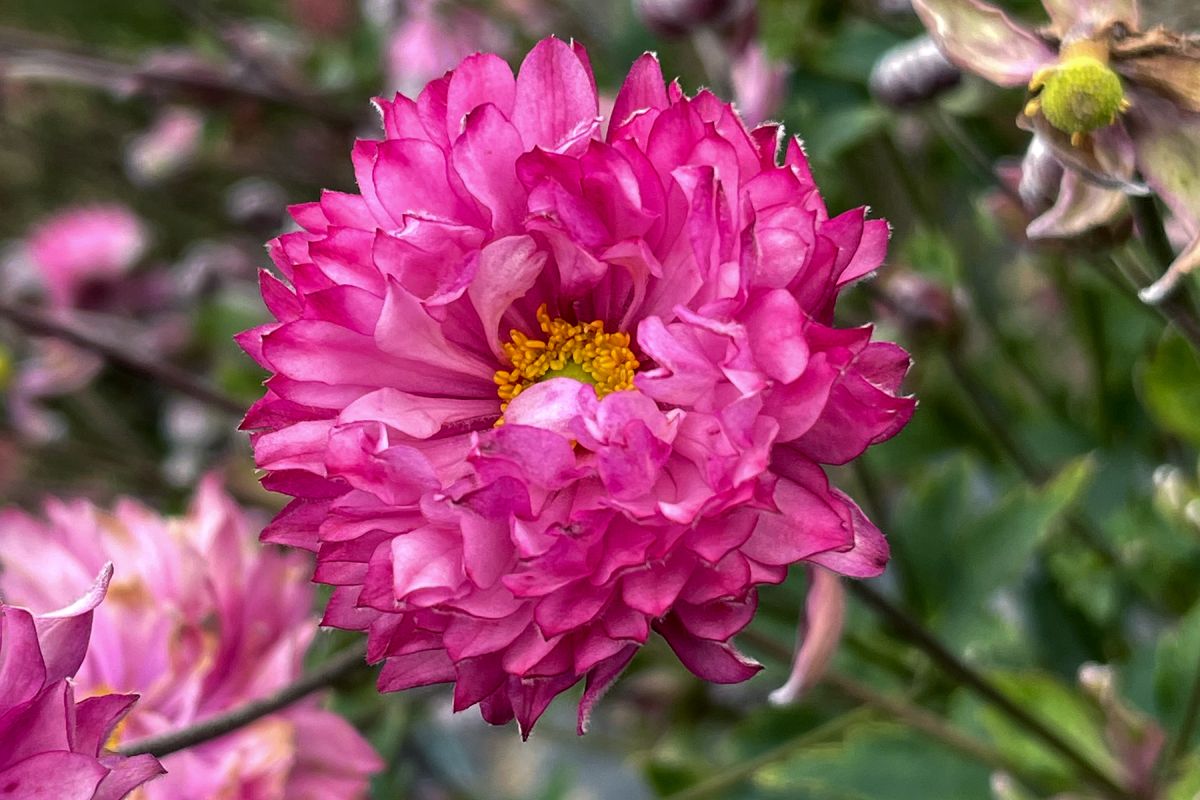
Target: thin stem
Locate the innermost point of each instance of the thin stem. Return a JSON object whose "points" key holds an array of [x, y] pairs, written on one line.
{"points": [[899, 708], [989, 410], [1187, 727], [1174, 308], [1151, 230], [961, 143], [213, 727], [167, 374], [917, 634], [715, 784]]}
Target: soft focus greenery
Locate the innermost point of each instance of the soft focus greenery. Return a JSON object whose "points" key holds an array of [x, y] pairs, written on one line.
{"points": [[1042, 505]]}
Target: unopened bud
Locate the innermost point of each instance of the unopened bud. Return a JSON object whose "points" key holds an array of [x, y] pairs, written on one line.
{"points": [[1098, 681], [912, 73], [923, 307], [680, 17], [1170, 488]]}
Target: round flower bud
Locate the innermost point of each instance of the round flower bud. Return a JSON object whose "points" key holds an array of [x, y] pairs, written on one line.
{"points": [[680, 17], [912, 73], [1081, 95]]}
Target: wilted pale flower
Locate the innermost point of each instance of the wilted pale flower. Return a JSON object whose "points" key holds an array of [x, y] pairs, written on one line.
{"points": [[50, 745], [200, 620], [538, 392], [80, 246], [1111, 101], [677, 17]]}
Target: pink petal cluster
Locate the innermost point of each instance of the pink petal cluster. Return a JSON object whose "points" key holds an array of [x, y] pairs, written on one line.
{"points": [[199, 620], [516, 560], [52, 747], [83, 244]]}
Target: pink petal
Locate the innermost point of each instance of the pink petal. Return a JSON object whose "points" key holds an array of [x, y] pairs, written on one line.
{"points": [[819, 634], [555, 95], [52, 776], [718, 662]]}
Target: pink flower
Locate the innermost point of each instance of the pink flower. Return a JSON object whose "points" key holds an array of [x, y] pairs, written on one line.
{"points": [[432, 39], [759, 84], [86, 244], [52, 747], [650, 311], [200, 620]]}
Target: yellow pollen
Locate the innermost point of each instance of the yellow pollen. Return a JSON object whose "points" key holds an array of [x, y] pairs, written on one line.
{"points": [[582, 351]]}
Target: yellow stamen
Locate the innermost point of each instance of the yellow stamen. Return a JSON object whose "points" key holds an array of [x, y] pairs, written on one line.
{"points": [[582, 351]]}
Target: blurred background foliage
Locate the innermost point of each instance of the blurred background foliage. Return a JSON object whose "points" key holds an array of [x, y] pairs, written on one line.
{"points": [[1043, 506]]}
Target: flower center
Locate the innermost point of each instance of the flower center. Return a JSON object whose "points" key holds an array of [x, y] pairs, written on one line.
{"points": [[581, 351], [1080, 93]]}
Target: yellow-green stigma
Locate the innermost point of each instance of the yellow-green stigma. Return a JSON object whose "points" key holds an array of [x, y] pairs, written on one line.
{"points": [[581, 351], [1080, 94]]}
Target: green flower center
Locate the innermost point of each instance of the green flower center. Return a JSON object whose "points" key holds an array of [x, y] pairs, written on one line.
{"points": [[1082, 95]]}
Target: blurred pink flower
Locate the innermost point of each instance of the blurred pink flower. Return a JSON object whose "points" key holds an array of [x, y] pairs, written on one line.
{"points": [[85, 244], [432, 38], [200, 620], [167, 147], [670, 384], [52, 747], [759, 84]]}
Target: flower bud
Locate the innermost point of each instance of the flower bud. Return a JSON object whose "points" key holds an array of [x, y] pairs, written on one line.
{"points": [[924, 308], [680, 17], [912, 73]]}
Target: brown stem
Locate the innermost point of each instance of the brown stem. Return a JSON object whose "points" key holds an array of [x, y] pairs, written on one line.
{"points": [[213, 727], [168, 375]]}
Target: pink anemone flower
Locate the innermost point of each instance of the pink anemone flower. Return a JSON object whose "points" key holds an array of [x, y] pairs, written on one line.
{"points": [[52, 747], [539, 390], [85, 244], [200, 620]]}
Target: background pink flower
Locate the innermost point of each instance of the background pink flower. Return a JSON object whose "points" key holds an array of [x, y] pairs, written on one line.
{"points": [[200, 619], [655, 306], [84, 244], [52, 747]]}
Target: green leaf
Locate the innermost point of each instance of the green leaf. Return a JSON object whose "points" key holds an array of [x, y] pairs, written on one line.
{"points": [[1178, 658], [1071, 715], [958, 549], [876, 760], [1170, 383]]}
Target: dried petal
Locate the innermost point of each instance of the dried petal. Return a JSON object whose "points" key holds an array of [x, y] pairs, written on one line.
{"points": [[981, 38]]}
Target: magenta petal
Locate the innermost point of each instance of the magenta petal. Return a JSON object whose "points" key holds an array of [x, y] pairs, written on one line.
{"points": [[480, 79], [52, 776], [415, 669], [96, 717], [22, 670], [126, 775], [555, 95], [718, 662], [600, 678], [508, 269], [485, 158], [980, 38], [644, 88]]}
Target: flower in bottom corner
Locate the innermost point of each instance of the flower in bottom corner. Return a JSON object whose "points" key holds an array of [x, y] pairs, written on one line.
{"points": [[52, 746], [199, 620], [548, 384]]}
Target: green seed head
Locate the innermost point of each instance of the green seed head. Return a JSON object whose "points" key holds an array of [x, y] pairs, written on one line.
{"points": [[1081, 95]]}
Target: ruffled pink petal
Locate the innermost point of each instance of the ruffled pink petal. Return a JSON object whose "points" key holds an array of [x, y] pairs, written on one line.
{"points": [[555, 96]]}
